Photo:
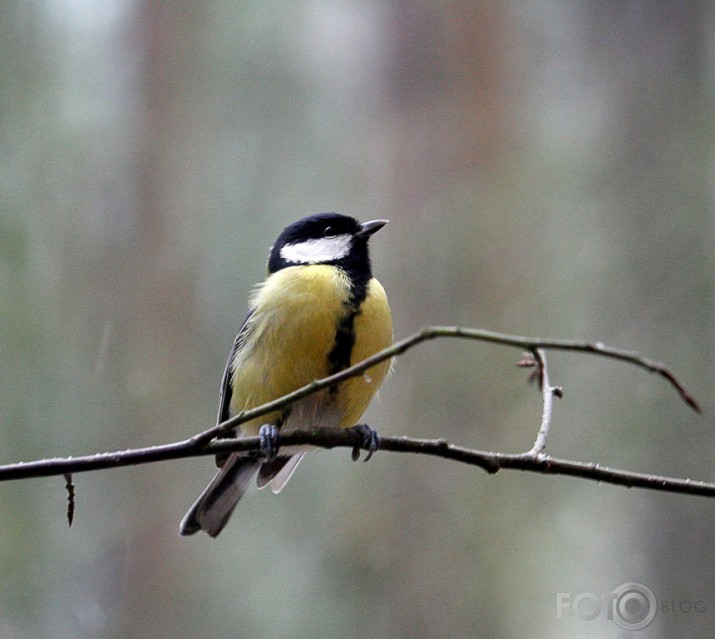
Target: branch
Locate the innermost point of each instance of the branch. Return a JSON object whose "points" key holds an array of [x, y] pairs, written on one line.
{"points": [[531, 344], [533, 460], [348, 438], [548, 392]]}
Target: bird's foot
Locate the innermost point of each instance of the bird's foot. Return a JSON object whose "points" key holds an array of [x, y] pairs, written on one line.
{"points": [[268, 435], [370, 440]]}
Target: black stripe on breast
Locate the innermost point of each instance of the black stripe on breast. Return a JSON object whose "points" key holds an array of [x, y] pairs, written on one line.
{"points": [[340, 354]]}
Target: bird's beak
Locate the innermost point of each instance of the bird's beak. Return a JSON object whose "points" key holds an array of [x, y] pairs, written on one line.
{"points": [[368, 228]]}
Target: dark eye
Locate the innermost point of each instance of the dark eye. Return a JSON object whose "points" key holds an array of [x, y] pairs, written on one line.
{"points": [[329, 232]]}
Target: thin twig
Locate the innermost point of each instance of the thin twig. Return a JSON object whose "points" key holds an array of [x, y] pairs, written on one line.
{"points": [[547, 393], [432, 332], [69, 487]]}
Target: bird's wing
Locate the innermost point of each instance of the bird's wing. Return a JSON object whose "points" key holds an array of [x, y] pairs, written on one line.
{"points": [[226, 392], [214, 506]]}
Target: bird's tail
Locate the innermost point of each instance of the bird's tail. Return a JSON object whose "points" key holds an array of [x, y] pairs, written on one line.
{"points": [[212, 509]]}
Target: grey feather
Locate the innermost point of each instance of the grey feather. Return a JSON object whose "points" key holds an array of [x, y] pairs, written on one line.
{"points": [[213, 508]]}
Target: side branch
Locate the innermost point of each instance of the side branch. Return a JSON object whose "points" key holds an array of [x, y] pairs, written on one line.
{"points": [[531, 344]]}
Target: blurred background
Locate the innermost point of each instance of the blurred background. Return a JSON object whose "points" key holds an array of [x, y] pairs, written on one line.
{"points": [[547, 169]]}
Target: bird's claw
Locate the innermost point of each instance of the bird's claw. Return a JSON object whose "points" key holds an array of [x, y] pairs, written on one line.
{"points": [[370, 440], [268, 436]]}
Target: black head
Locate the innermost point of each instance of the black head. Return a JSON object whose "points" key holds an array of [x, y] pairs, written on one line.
{"points": [[325, 238]]}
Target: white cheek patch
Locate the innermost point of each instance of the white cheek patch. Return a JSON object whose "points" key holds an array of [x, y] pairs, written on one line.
{"points": [[322, 249]]}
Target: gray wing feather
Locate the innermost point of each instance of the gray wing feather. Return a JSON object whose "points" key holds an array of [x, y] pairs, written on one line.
{"points": [[214, 506], [226, 392]]}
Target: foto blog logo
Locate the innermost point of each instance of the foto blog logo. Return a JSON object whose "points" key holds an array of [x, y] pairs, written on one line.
{"points": [[632, 606]]}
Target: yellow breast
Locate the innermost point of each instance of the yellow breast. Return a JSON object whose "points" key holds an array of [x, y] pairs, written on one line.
{"points": [[292, 331]]}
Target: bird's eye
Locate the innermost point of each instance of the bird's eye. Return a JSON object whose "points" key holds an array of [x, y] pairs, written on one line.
{"points": [[329, 233]]}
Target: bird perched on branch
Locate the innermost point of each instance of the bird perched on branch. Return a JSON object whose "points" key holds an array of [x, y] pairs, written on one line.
{"points": [[319, 311]]}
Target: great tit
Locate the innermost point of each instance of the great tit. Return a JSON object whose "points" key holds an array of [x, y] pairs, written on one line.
{"points": [[319, 311]]}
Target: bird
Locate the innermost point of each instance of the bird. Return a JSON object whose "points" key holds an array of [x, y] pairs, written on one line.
{"points": [[319, 311]]}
